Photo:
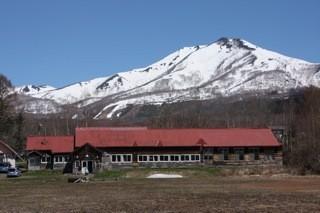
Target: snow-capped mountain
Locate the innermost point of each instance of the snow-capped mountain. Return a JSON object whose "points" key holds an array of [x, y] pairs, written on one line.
{"points": [[224, 68], [32, 90]]}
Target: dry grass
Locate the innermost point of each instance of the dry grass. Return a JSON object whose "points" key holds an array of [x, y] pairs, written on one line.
{"points": [[193, 194]]}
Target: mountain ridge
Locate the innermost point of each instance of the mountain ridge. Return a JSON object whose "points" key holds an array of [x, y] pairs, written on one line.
{"points": [[226, 67]]}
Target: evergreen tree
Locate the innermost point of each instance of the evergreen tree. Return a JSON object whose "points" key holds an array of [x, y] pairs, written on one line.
{"points": [[11, 125]]}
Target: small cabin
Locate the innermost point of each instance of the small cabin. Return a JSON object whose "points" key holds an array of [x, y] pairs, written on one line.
{"points": [[49, 152]]}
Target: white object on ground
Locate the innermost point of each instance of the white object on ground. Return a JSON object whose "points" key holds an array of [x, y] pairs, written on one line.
{"points": [[165, 176]]}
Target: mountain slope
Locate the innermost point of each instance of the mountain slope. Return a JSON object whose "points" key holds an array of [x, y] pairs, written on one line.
{"points": [[224, 68], [34, 91]]}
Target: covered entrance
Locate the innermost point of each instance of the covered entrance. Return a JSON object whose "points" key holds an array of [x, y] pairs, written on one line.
{"points": [[87, 159], [87, 165]]}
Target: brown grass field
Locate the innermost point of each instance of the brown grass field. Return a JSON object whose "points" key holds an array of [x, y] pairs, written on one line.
{"points": [[196, 193]]}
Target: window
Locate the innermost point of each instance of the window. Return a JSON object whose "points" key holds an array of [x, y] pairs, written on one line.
{"points": [[164, 158], [197, 157], [145, 158], [127, 158], [142, 158], [45, 159], [185, 157], [122, 158], [193, 157], [225, 153], [60, 158], [255, 152], [240, 153]]}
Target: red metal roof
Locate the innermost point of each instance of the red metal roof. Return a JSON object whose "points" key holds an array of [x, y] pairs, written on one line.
{"points": [[55, 144], [106, 137]]}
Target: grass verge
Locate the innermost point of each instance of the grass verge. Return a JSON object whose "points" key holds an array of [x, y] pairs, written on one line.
{"points": [[144, 172]]}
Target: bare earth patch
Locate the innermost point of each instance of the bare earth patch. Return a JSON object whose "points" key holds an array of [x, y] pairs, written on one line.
{"points": [[194, 194]]}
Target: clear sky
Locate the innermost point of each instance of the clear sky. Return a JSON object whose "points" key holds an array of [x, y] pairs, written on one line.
{"points": [[58, 42]]}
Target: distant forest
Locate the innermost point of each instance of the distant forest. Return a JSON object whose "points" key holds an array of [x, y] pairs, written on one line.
{"points": [[298, 113]]}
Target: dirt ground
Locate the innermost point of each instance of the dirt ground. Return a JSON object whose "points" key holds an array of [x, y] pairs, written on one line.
{"points": [[214, 194]]}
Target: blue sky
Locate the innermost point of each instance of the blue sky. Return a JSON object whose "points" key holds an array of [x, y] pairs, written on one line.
{"points": [[65, 41]]}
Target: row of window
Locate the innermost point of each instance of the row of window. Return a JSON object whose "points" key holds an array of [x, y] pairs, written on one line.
{"points": [[45, 159], [169, 158], [127, 158], [121, 158], [56, 159]]}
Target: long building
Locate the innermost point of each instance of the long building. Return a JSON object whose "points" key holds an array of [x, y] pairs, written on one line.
{"points": [[105, 148]]}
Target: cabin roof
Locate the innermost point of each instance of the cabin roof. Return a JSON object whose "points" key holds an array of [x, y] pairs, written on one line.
{"points": [[54, 144], [143, 137]]}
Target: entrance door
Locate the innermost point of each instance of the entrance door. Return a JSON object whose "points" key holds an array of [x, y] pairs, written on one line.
{"points": [[84, 164], [88, 164]]}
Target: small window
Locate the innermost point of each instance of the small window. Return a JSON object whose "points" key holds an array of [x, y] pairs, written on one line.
{"points": [[197, 157], [114, 158], [187, 158], [166, 158], [118, 158], [182, 158], [150, 158], [193, 157], [155, 158], [140, 158], [127, 158], [145, 158], [43, 159], [176, 158], [171, 157]]}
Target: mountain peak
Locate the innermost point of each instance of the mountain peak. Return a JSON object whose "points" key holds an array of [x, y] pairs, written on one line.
{"points": [[235, 42]]}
